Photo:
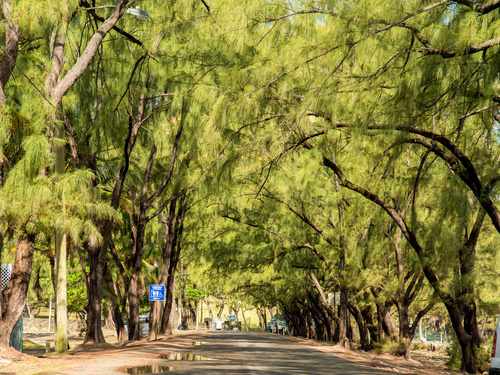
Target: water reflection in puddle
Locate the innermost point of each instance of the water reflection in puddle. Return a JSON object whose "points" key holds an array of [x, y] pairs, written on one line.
{"points": [[184, 357], [158, 368], [162, 367]]}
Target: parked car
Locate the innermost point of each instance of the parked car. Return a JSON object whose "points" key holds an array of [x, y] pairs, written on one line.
{"points": [[281, 325], [495, 353]]}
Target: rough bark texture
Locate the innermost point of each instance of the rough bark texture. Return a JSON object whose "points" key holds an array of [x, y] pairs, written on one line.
{"points": [[134, 331], [14, 295], [11, 44], [6, 68], [97, 257], [114, 305], [174, 229], [167, 260], [88, 54], [343, 338], [364, 334], [324, 302]]}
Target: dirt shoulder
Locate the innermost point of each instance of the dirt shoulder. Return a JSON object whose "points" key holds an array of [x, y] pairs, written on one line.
{"points": [[113, 358], [422, 362]]}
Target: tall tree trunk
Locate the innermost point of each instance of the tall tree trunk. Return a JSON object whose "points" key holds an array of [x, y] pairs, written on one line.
{"points": [[184, 309], [61, 294], [322, 298], [134, 331], [97, 257], [364, 333], [14, 295], [6, 68], [171, 256], [57, 60], [167, 325], [372, 328], [61, 267], [167, 277], [343, 310], [464, 338], [114, 305]]}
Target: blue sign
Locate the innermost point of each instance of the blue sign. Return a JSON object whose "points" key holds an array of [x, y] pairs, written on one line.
{"points": [[157, 292]]}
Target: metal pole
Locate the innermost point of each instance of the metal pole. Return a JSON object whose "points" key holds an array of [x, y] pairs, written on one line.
{"points": [[196, 315], [50, 311], [155, 326]]}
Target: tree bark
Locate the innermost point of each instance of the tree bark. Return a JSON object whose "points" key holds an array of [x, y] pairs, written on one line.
{"points": [[364, 334], [11, 46], [171, 258], [6, 68], [114, 305], [388, 323], [134, 331], [97, 257], [14, 295], [88, 54], [168, 268], [61, 294], [343, 339], [322, 298]]}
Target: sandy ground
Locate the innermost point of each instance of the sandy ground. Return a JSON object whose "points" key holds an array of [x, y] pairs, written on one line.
{"points": [[111, 357]]}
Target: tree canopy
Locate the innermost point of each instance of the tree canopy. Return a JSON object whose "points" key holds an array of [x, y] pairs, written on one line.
{"points": [[287, 149]]}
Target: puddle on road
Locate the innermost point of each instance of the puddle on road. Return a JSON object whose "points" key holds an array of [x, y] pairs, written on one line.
{"points": [[184, 357], [162, 367], [149, 369]]}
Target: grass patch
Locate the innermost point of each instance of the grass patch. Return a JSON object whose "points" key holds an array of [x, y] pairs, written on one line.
{"points": [[30, 345]]}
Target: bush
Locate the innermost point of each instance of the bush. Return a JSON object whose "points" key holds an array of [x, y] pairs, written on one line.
{"points": [[390, 347], [455, 353]]}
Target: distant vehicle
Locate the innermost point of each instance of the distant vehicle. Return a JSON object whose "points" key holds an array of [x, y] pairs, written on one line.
{"points": [[277, 323], [218, 324], [495, 353]]}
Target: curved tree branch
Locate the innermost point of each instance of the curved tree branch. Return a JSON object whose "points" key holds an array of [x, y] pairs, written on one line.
{"points": [[88, 54], [92, 11], [408, 234]]}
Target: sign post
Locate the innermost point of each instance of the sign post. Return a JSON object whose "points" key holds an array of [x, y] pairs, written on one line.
{"points": [[156, 295]]}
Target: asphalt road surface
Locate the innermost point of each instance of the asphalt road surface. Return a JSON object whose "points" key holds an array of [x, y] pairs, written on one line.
{"points": [[223, 352]]}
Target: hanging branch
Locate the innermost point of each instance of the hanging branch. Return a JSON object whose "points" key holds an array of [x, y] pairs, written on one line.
{"points": [[88, 54], [206, 5], [398, 219], [92, 11]]}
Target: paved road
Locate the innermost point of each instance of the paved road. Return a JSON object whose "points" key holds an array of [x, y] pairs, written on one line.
{"points": [[250, 353]]}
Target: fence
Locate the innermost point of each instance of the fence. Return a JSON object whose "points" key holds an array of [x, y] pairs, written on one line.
{"points": [[434, 336]]}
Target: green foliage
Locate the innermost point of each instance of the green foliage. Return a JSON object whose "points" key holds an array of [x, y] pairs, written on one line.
{"points": [[76, 291], [196, 294], [263, 91]]}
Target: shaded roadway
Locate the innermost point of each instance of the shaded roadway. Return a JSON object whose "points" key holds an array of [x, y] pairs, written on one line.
{"points": [[263, 353]]}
